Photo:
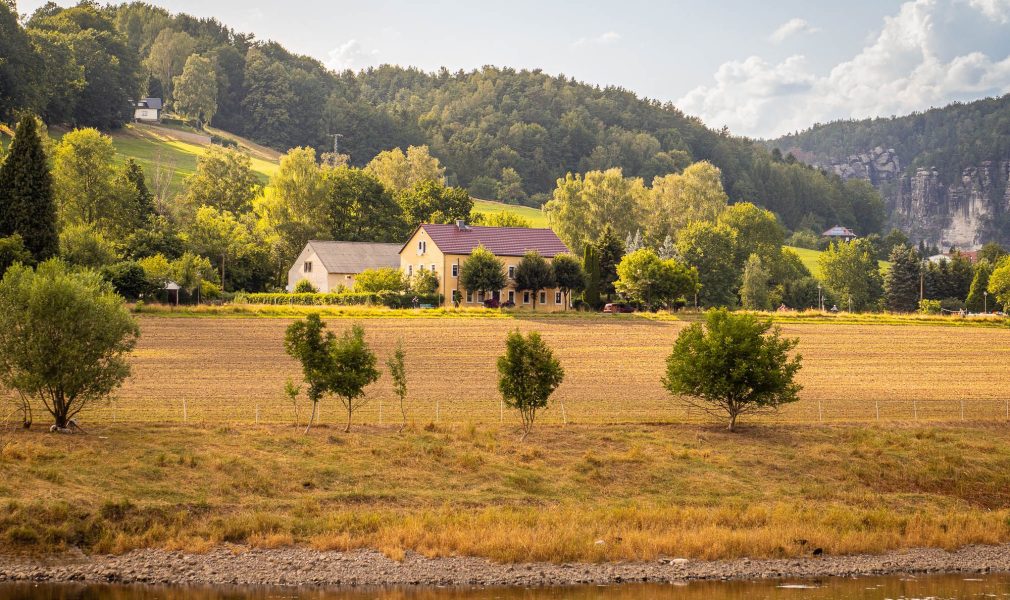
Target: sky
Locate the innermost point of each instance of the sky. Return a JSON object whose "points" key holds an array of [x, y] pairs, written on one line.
{"points": [[761, 68]]}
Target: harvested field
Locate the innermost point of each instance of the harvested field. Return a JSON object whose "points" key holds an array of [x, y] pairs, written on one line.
{"points": [[214, 369]]}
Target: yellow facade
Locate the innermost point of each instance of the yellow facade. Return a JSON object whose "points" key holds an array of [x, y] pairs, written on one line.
{"points": [[421, 253]]}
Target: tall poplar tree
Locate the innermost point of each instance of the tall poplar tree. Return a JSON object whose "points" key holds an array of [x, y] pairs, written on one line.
{"points": [[27, 206]]}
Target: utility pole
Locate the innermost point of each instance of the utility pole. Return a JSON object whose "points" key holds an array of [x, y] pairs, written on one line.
{"points": [[336, 142]]}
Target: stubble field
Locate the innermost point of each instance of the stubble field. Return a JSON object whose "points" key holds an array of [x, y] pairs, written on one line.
{"points": [[233, 370]]}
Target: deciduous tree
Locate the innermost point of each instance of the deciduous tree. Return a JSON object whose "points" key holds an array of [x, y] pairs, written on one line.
{"points": [[534, 273], [851, 271], [528, 375], [711, 249], [196, 89], [644, 277], [734, 364], [482, 271], [568, 275]]}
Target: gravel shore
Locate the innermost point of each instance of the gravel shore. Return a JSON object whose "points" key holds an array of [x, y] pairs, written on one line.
{"points": [[300, 566]]}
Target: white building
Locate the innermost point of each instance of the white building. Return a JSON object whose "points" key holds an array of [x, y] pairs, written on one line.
{"points": [[148, 110], [329, 266]]}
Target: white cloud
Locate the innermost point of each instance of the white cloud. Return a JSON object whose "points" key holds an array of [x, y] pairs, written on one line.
{"points": [[794, 26], [905, 68], [998, 10], [351, 55], [609, 37]]}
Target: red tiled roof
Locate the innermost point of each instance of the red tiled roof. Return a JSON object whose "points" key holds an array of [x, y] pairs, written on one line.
{"points": [[501, 241]]}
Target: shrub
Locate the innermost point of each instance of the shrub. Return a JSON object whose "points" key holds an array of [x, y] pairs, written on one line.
{"points": [[929, 307], [388, 299], [304, 286], [383, 279]]}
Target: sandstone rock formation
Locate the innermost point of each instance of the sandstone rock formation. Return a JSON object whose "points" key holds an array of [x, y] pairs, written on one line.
{"points": [[926, 207]]}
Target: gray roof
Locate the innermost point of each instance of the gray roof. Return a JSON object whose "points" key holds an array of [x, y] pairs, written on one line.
{"points": [[152, 102], [355, 257]]}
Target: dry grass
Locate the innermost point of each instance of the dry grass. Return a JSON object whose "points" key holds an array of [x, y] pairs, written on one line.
{"points": [[226, 369], [644, 490]]}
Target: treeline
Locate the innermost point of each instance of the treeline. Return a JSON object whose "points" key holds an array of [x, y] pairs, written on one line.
{"points": [[949, 138], [501, 133]]}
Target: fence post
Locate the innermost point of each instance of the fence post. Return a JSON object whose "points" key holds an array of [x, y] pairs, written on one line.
{"points": [[915, 410], [185, 417], [962, 410], [380, 411], [820, 412], [501, 411], [436, 409], [877, 404], [257, 414]]}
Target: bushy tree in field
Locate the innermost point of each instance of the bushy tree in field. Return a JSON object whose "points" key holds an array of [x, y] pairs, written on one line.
{"points": [[396, 364], [482, 271], [383, 279], [64, 338], [534, 273], [734, 364], [568, 275], [528, 375], [341, 366]]}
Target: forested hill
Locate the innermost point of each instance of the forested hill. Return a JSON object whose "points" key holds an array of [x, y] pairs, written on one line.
{"points": [[944, 173], [948, 139], [502, 133]]}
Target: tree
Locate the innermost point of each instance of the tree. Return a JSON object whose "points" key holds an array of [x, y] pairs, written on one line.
{"points": [[851, 271], [644, 277], [733, 366], [133, 177], [13, 251], [591, 265], [89, 188], [501, 219], [220, 236], [677, 199], [382, 279], [304, 286], [64, 338], [27, 202], [429, 201], [991, 252], [901, 285], [424, 282], [609, 251], [568, 275], [510, 187], [711, 249], [399, 171], [168, 57], [582, 206], [977, 301], [534, 273], [482, 271], [353, 369], [312, 345], [396, 364], [224, 179], [84, 245], [196, 90], [528, 375], [999, 282], [757, 232], [754, 289], [128, 279]]}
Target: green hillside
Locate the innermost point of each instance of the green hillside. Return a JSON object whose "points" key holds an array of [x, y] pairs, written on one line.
{"points": [[535, 216], [811, 260]]}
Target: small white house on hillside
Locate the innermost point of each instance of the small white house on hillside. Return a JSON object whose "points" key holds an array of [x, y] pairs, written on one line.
{"points": [[147, 109], [331, 265]]}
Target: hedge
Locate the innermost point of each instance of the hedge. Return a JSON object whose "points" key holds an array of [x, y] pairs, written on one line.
{"points": [[389, 299]]}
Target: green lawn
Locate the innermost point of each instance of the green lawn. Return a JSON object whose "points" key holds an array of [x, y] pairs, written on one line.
{"points": [[535, 216], [811, 258]]}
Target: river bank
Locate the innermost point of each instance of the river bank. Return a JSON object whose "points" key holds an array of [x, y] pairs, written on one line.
{"points": [[239, 565]]}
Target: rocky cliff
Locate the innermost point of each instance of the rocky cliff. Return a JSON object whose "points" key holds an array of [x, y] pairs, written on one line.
{"points": [[926, 207]]}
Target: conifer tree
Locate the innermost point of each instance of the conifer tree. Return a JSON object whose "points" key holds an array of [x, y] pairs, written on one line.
{"points": [[27, 207], [901, 286]]}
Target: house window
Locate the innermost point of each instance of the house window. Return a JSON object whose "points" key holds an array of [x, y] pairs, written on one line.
{"points": [[557, 297], [410, 270], [307, 267], [512, 296], [526, 297], [455, 270], [480, 297], [543, 297], [420, 267], [512, 272], [422, 246], [432, 268], [469, 296]]}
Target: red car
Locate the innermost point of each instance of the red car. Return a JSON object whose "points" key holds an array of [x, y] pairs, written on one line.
{"points": [[618, 307]]}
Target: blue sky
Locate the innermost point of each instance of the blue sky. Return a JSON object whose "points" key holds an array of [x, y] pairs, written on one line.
{"points": [[762, 68]]}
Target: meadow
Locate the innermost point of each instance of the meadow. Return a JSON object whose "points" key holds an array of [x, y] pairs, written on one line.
{"points": [[217, 369]]}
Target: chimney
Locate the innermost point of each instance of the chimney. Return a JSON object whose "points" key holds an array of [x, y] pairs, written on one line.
{"points": [[460, 225]]}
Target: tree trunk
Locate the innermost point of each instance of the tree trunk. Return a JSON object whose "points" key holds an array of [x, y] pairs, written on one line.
{"points": [[312, 416], [350, 410], [732, 420], [403, 411]]}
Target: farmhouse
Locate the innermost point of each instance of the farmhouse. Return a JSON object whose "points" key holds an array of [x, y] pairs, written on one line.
{"points": [[331, 266], [147, 109], [838, 232], [444, 249]]}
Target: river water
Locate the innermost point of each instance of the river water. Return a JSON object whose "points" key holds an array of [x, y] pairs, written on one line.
{"points": [[868, 588]]}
